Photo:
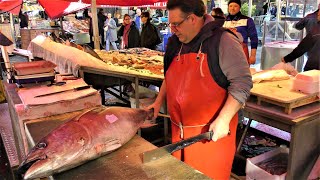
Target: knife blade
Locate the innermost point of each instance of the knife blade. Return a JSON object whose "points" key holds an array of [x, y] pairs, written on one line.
{"points": [[169, 149], [73, 89]]}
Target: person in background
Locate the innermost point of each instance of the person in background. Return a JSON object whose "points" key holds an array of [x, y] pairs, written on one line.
{"points": [[273, 10], [137, 19], [23, 20], [110, 28], [295, 12], [207, 80], [101, 20], [265, 8], [309, 44], [236, 21], [116, 19], [85, 14], [218, 16], [149, 34], [129, 32], [308, 22]]}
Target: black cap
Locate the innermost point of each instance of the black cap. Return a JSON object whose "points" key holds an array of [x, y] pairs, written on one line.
{"points": [[235, 1]]}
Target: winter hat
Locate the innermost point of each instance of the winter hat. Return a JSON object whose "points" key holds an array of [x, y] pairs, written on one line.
{"points": [[235, 1]]}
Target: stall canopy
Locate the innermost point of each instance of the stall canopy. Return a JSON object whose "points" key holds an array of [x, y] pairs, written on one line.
{"points": [[57, 8], [12, 6]]}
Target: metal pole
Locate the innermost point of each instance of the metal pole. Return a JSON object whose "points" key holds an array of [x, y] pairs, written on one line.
{"points": [[96, 37], [61, 24], [12, 30], [250, 8]]}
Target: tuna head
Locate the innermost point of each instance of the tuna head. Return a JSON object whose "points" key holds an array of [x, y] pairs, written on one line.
{"points": [[56, 152]]}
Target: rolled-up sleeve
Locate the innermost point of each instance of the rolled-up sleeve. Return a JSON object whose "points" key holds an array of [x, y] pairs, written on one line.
{"points": [[234, 65]]}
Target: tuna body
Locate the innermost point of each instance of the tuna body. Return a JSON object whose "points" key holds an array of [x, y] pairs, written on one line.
{"points": [[85, 137]]}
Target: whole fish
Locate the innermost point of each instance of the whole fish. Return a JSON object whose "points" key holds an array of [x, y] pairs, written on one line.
{"points": [[86, 137], [89, 50]]}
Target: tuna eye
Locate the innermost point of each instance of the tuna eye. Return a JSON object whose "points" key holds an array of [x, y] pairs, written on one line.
{"points": [[41, 145]]}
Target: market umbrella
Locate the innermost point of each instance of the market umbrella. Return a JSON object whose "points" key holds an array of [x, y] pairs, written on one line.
{"points": [[4, 41], [12, 6], [58, 8], [54, 8], [120, 2]]}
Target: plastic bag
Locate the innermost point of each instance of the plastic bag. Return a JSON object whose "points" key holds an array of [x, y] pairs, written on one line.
{"points": [[287, 67]]}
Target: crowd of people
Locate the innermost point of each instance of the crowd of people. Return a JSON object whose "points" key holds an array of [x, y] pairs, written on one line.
{"points": [[136, 31]]}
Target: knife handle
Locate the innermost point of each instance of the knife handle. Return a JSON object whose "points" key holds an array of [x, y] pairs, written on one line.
{"points": [[81, 88], [211, 134]]}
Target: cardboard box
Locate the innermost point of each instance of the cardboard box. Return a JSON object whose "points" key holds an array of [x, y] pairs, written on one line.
{"points": [[253, 171]]}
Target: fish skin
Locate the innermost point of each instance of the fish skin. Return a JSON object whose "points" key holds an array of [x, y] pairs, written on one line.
{"points": [[86, 137]]}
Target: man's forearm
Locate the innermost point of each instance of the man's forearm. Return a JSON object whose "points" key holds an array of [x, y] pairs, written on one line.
{"points": [[253, 52], [162, 94], [230, 108]]}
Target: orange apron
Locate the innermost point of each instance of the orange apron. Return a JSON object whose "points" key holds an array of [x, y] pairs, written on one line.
{"points": [[194, 101]]}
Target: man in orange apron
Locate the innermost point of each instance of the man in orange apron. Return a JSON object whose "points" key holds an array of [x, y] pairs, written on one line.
{"points": [[207, 80]]}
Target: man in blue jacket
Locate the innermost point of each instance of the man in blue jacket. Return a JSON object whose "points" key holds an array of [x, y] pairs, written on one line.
{"points": [[236, 21]]}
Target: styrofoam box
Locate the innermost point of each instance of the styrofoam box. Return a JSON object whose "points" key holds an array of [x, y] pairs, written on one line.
{"points": [[307, 82], [255, 172]]}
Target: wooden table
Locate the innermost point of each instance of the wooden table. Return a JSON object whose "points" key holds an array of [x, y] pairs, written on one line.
{"points": [[125, 163], [303, 124]]}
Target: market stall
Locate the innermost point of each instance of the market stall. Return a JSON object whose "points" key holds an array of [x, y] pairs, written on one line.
{"points": [[268, 104]]}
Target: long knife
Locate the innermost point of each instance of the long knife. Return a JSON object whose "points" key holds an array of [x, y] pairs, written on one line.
{"points": [[169, 149], [73, 89]]}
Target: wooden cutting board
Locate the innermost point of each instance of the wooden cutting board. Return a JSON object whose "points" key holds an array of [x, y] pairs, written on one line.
{"points": [[280, 93]]}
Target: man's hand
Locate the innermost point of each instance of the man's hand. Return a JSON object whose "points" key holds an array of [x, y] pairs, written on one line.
{"points": [[156, 109], [220, 128]]}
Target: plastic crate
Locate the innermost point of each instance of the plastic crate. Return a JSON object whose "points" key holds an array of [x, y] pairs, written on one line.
{"points": [[255, 172]]}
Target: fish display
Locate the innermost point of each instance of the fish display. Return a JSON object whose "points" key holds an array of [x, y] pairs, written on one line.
{"points": [[94, 133], [89, 50]]}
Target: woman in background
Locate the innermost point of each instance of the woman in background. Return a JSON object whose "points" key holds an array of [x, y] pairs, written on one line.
{"points": [[129, 32]]}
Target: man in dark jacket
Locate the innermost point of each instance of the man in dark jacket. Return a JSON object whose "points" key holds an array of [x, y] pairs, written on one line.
{"points": [[101, 20], [129, 32], [309, 44], [308, 22], [23, 20], [149, 34], [218, 16]]}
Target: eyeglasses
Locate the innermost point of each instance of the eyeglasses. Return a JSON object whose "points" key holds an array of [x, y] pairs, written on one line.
{"points": [[175, 25], [126, 19]]}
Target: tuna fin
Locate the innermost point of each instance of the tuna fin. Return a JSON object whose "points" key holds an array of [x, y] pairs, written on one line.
{"points": [[148, 123], [108, 146]]}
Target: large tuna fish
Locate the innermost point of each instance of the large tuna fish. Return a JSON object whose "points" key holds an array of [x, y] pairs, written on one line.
{"points": [[85, 137]]}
